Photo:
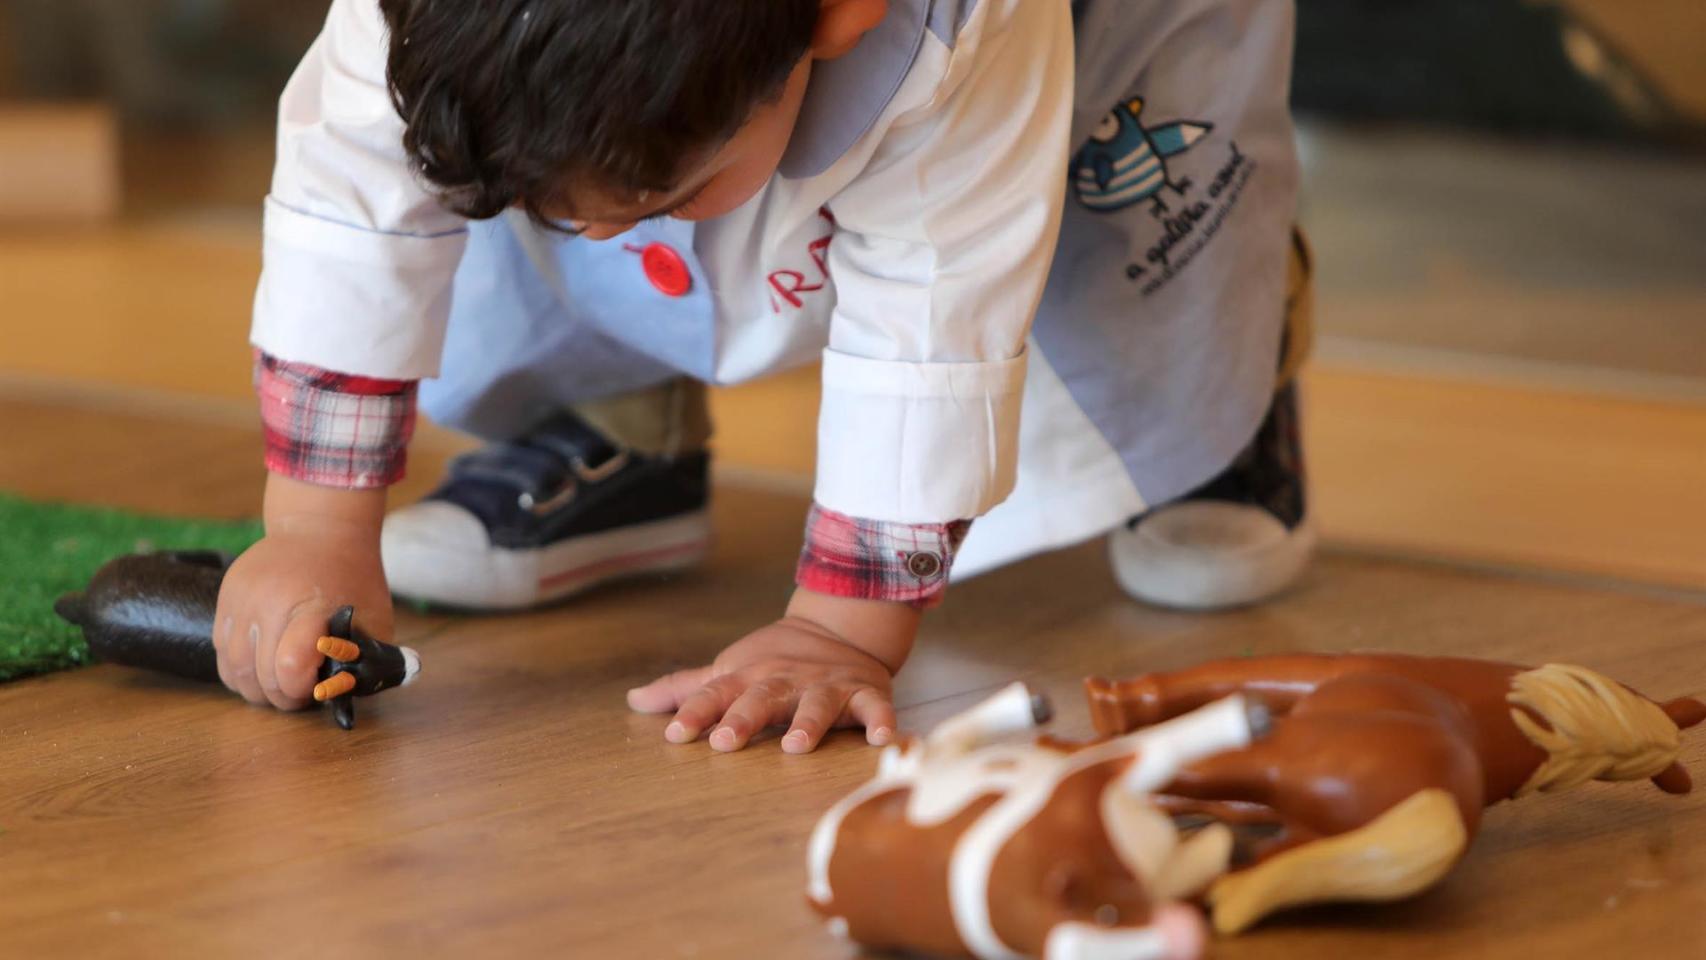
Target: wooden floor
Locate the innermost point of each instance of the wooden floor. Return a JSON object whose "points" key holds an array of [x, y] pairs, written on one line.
{"points": [[508, 805]]}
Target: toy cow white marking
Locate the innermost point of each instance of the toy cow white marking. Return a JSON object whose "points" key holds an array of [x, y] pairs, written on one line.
{"points": [[986, 840]]}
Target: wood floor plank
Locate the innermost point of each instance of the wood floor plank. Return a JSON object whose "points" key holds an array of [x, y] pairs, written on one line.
{"points": [[509, 805]]}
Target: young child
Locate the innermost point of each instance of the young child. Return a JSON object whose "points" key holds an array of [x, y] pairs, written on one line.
{"points": [[570, 212]]}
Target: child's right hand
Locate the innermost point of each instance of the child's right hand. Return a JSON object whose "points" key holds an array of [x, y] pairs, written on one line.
{"points": [[321, 552]]}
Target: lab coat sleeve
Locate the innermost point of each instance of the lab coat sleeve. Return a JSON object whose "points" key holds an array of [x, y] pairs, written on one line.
{"points": [[942, 249], [358, 257]]}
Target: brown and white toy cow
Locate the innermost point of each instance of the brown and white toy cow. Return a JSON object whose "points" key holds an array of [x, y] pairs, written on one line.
{"points": [[985, 840], [1371, 785]]}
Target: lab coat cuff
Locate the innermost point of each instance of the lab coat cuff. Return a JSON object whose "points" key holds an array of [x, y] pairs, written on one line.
{"points": [[343, 297], [911, 442]]}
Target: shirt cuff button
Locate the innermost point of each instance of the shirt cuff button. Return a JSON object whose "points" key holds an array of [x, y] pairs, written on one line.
{"points": [[925, 565]]}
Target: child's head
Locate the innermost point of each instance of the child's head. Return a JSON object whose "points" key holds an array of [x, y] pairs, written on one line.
{"points": [[607, 112]]}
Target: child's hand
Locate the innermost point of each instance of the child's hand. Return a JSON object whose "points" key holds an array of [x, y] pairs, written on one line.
{"points": [[277, 597], [804, 670]]}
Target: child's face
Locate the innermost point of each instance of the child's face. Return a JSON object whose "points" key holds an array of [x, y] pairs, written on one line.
{"points": [[715, 185]]}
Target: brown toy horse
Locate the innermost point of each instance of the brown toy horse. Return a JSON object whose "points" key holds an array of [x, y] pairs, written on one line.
{"points": [[1373, 779]]}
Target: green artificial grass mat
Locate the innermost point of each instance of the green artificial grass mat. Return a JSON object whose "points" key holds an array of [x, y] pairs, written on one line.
{"points": [[49, 549]]}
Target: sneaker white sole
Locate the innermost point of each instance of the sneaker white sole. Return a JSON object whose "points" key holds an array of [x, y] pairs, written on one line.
{"points": [[438, 553], [1208, 555]]}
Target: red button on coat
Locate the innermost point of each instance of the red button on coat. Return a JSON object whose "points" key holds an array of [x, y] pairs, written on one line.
{"points": [[666, 270]]}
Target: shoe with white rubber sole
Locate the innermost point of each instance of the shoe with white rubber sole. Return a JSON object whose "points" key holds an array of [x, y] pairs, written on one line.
{"points": [[526, 523], [1240, 539]]}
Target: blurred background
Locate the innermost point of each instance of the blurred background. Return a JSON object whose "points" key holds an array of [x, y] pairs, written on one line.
{"points": [[1507, 200]]}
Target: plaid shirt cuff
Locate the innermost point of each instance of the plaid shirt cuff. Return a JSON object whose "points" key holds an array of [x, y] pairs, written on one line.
{"points": [[874, 560], [334, 429]]}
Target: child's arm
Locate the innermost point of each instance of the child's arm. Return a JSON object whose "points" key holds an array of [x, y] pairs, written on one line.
{"points": [[941, 253], [359, 260], [333, 444]]}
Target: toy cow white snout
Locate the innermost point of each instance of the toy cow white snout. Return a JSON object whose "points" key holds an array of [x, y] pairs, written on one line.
{"points": [[987, 840]]}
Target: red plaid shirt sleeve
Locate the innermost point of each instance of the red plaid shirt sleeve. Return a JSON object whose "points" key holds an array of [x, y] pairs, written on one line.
{"points": [[875, 560], [334, 429]]}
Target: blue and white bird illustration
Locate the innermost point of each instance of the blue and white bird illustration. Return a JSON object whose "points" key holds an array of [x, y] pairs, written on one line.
{"points": [[1125, 163]]}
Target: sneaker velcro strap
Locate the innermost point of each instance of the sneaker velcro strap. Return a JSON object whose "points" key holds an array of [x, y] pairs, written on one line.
{"points": [[573, 440]]}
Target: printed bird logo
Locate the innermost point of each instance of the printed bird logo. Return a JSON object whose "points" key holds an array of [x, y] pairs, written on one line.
{"points": [[1125, 163]]}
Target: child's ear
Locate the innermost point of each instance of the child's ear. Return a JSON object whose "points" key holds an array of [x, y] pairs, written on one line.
{"points": [[843, 23]]}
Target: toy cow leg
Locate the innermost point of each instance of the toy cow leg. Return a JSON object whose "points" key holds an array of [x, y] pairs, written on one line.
{"points": [[1118, 707], [1377, 775], [1399, 854], [1335, 763]]}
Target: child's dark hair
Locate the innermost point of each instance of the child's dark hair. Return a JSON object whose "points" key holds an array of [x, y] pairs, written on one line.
{"points": [[505, 101]]}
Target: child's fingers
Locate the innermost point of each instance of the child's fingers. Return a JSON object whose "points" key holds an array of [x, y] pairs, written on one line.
{"points": [[223, 624], [224, 629], [244, 639], [819, 708], [872, 709], [296, 661], [668, 693], [763, 703], [276, 645], [266, 665], [703, 707]]}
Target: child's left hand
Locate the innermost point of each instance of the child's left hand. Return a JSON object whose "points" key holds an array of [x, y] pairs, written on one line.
{"points": [[806, 670]]}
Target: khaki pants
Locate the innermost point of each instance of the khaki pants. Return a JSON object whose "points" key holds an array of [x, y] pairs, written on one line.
{"points": [[668, 420], [1299, 310]]}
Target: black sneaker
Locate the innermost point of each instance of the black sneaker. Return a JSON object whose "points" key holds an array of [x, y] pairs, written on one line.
{"points": [[521, 524], [1238, 539]]}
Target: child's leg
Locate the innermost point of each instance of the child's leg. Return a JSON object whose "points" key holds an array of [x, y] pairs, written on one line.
{"points": [[671, 419], [1159, 332], [1245, 535]]}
